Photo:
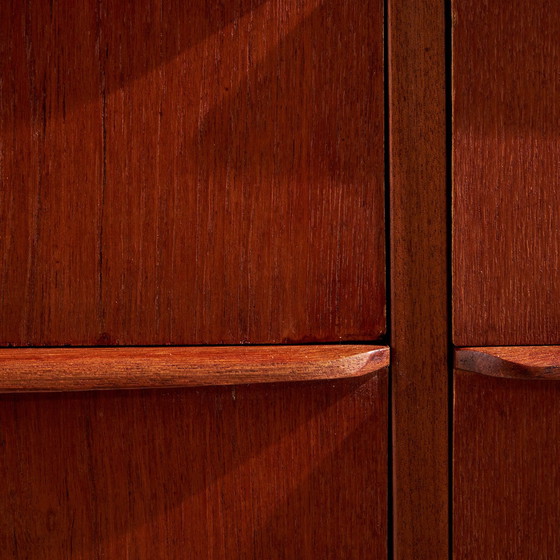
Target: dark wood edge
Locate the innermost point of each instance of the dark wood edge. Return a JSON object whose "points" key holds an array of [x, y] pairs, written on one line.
{"points": [[514, 362], [86, 369]]}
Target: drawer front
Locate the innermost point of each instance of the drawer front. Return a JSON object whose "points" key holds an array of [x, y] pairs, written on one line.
{"points": [[191, 172], [506, 172], [506, 474], [279, 471]]}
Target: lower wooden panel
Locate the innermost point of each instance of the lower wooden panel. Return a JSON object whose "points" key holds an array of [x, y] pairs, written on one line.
{"points": [[279, 471], [506, 468]]}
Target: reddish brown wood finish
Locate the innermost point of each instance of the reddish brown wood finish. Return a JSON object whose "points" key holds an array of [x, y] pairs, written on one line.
{"points": [[257, 471], [419, 319], [506, 162], [505, 468], [191, 172], [79, 369], [533, 362]]}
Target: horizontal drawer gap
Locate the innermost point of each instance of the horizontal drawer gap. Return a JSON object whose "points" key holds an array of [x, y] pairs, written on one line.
{"points": [[85, 369]]}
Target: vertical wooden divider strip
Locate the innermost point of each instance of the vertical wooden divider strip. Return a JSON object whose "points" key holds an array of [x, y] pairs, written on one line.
{"points": [[419, 277]]}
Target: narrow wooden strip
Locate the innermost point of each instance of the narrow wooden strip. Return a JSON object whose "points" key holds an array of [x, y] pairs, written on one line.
{"points": [[522, 362], [84, 369], [419, 317]]}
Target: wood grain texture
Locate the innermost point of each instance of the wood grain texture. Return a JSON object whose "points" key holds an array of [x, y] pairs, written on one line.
{"points": [[419, 318], [79, 369], [251, 472], [505, 468], [191, 172], [525, 362], [506, 162]]}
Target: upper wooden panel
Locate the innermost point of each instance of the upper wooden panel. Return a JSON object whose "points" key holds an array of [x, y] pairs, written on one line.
{"points": [[506, 135], [191, 172]]}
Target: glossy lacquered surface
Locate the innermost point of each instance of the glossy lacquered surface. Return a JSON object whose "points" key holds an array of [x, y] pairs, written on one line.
{"points": [[506, 172], [191, 172], [83, 369], [279, 471]]}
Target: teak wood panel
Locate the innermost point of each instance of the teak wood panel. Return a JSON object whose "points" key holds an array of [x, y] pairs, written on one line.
{"points": [[506, 123], [85, 369], [506, 473], [280, 471], [191, 172]]}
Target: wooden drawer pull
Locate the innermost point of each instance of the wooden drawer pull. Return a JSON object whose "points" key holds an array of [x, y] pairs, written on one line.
{"points": [[84, 369], [520, 362]]}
